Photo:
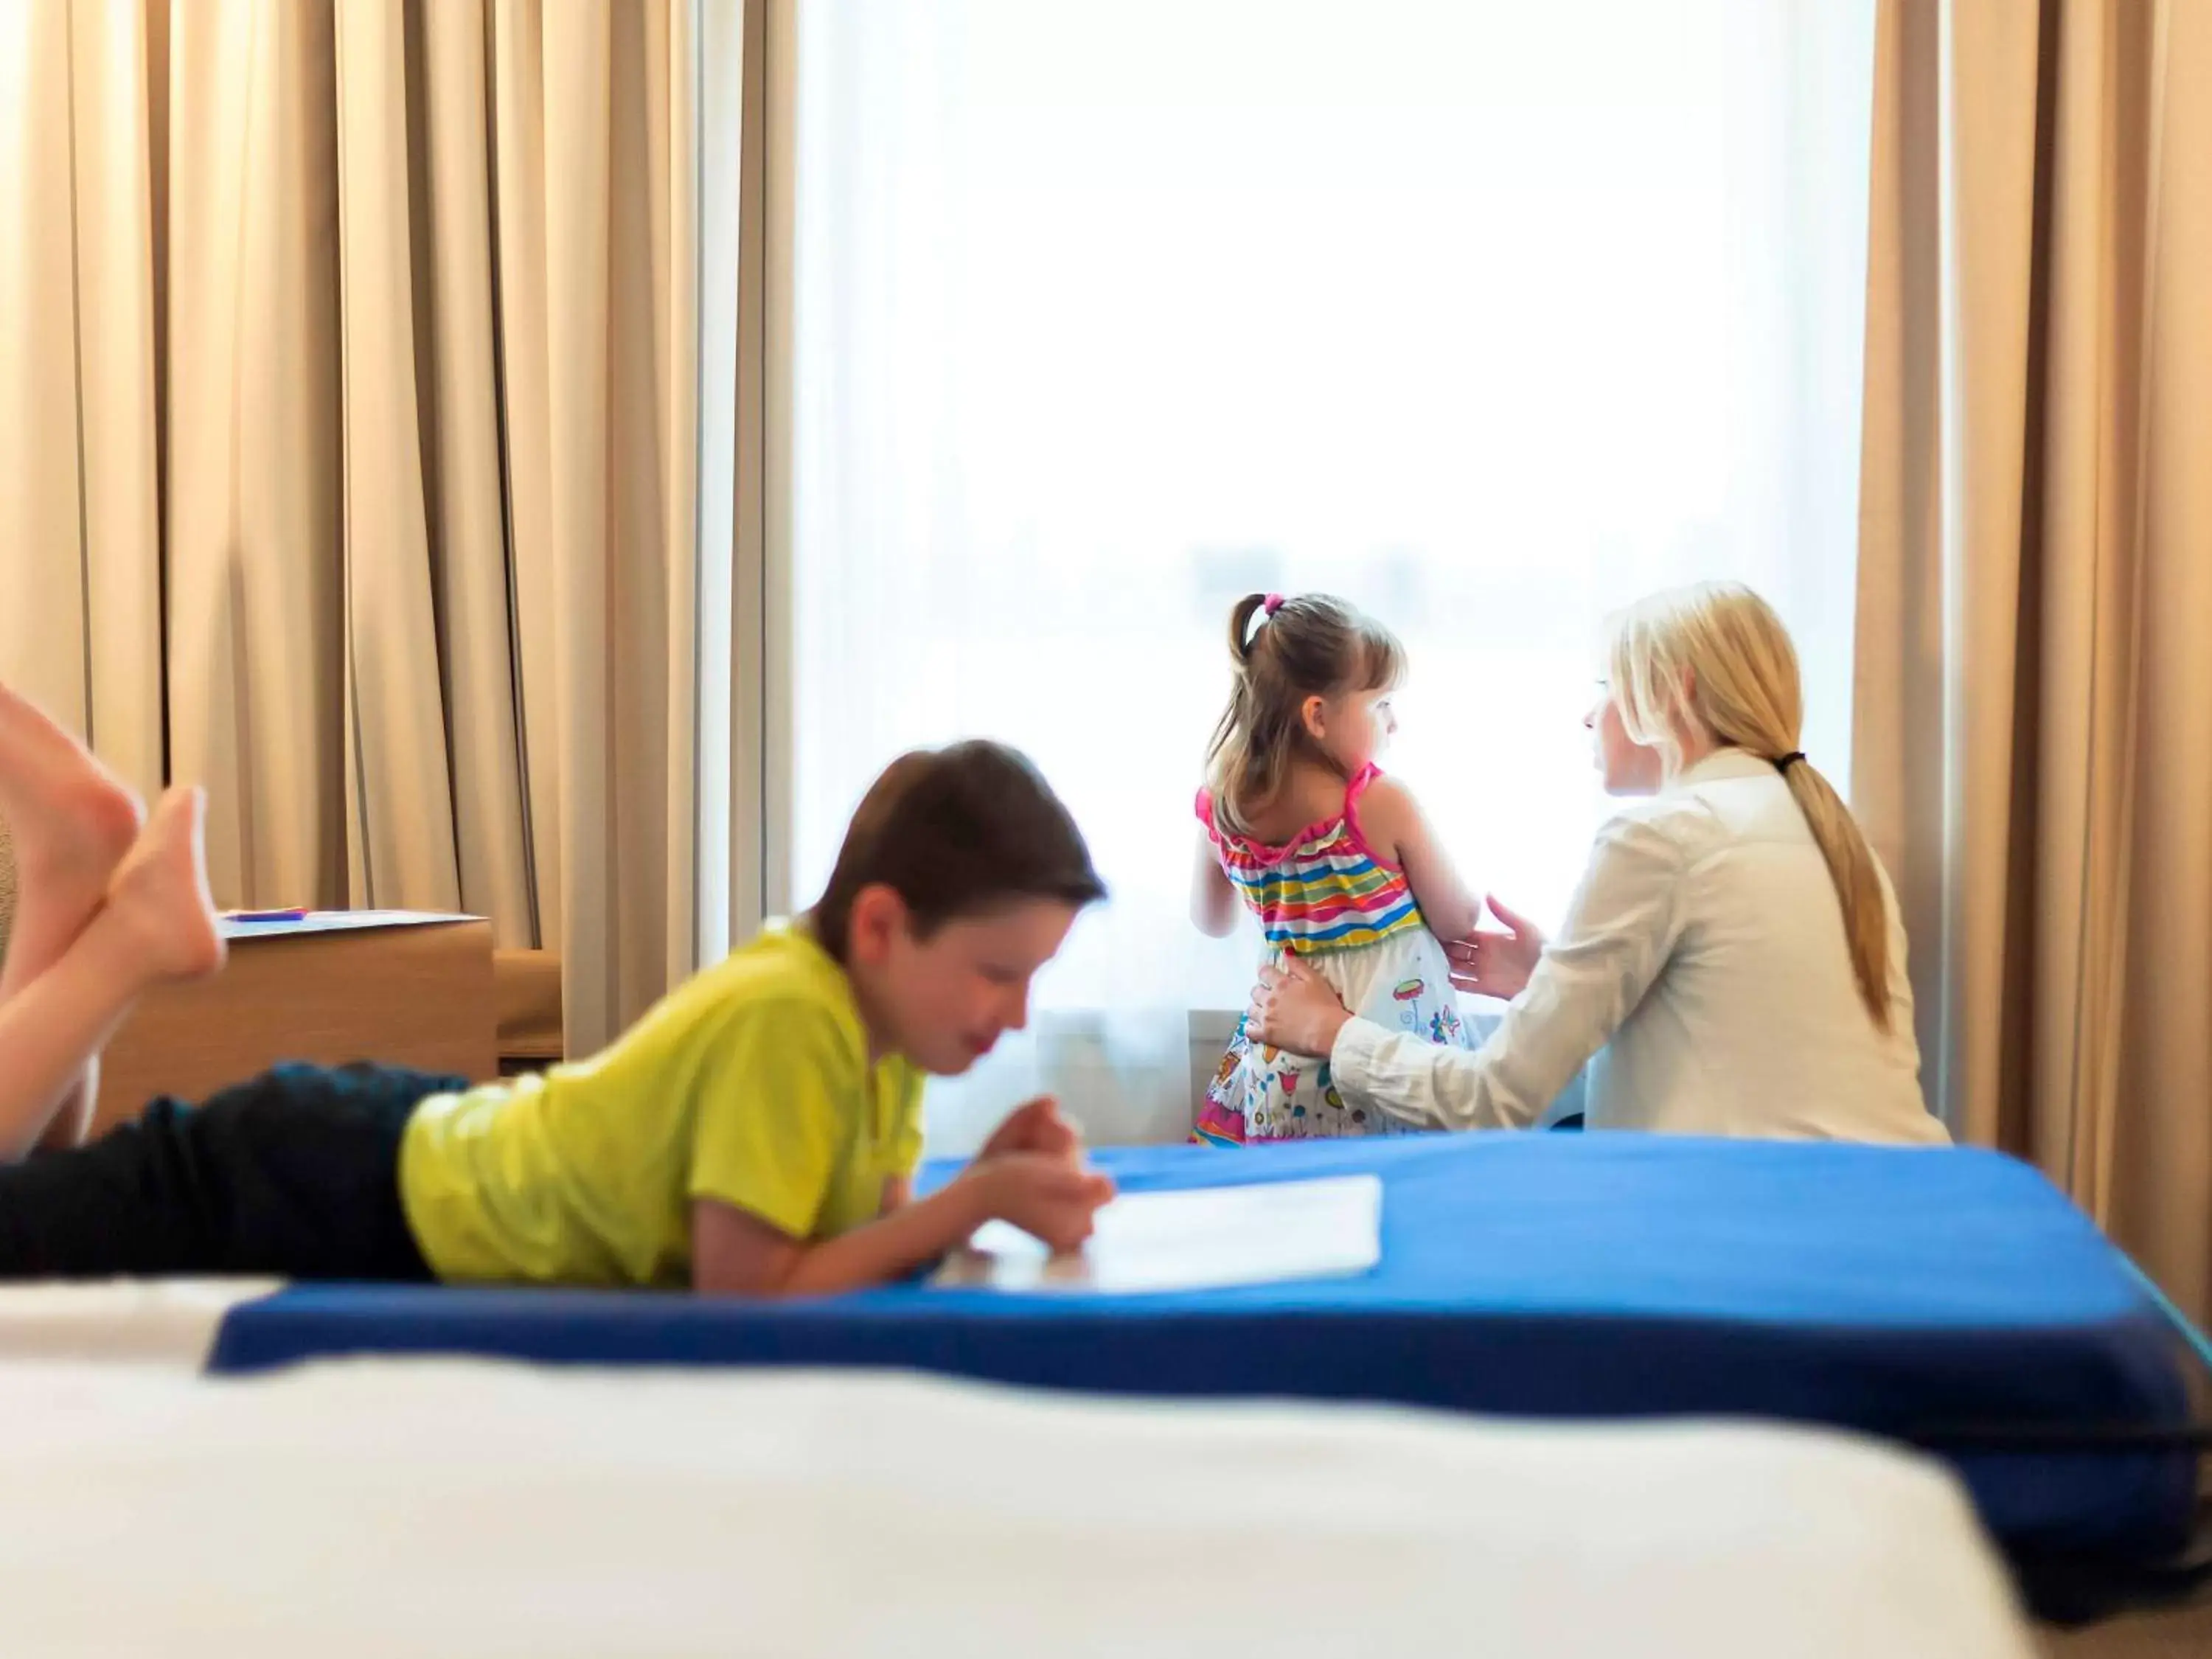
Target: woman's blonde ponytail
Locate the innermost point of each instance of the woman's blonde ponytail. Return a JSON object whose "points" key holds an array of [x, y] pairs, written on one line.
{"points": [[1716, 654], [1857, 879]]}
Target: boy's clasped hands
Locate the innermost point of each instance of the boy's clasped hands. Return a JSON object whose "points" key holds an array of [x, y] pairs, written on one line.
{"points": [[1033, 1174]]}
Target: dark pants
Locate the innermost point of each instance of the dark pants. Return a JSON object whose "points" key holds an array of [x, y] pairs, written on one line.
{"points": [[294, 1173]]}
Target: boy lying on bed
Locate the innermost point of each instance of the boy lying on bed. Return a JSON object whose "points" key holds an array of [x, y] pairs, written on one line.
{"points": [[755, 1132]]}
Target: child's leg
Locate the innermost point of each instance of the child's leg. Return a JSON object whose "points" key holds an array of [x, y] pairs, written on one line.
{"points": [[156, 924], [72, 822], [294, 1173]]}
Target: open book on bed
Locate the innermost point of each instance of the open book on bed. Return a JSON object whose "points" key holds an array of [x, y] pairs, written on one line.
{"points": [[1200, 1238]]}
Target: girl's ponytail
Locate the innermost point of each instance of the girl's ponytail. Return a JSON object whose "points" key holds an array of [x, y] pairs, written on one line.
{"points": [[1241, 640]]}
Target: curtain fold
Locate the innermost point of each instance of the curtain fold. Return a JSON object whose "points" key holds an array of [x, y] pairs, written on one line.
{"points": [[351, 427], [395, 767], [2033, 729]]}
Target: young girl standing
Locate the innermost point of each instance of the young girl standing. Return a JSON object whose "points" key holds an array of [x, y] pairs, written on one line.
{"points": [[1335, 859]]}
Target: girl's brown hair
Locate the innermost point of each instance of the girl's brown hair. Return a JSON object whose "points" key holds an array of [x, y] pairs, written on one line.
{"points": [[1312, 645], [1725, 645]]}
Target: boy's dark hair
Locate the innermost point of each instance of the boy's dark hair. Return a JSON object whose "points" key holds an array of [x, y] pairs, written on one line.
{"points": [[955, 832]]}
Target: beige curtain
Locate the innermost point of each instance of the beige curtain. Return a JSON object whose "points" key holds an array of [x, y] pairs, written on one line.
{"points": [[2034, 707], [350, 447]]}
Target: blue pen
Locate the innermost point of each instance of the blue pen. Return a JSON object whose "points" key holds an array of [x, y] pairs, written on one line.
{"points": [[268, 915]]}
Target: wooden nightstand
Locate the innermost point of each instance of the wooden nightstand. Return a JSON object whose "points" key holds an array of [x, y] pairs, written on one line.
{"points": [[389, 986]]}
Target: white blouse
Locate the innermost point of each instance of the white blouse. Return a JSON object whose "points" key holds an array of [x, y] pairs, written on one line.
{"points": [[1704, 951]]}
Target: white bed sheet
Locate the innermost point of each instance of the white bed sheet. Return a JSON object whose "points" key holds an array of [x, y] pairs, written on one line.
{"points": [[390, 1507], [171, 1322]]}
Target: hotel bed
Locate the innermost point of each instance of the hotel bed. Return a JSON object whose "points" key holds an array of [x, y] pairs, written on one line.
{"points": [[1949, 1300]]}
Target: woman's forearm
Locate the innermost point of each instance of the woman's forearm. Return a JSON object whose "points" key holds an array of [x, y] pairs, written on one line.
{"points": [[1429, 1083]]}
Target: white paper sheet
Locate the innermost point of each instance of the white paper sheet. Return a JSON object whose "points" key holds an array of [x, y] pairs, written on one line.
{"points": [[1200, 1239]]}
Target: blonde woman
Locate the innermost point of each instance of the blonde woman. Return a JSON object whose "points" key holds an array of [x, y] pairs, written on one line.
{"points": [[1733, 947]]}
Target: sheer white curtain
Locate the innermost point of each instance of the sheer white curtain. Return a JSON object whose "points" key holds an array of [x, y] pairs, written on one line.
{"points": [[1489, 316]]}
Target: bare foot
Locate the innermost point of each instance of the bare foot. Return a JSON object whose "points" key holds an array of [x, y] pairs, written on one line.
{"points": [[160, 891], [71, 819]]}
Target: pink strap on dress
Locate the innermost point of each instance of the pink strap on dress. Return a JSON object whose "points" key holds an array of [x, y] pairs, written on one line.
{"points": [[1352, 792]]}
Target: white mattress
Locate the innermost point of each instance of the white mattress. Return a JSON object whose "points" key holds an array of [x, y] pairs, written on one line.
{"points": [[383, 1507], [161, 1321]]}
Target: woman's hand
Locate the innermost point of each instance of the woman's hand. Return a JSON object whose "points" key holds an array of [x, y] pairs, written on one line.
{"points": [[1492, 963], [1293, 1008]]}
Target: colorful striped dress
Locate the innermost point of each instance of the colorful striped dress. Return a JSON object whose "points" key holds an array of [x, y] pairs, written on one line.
{"points": [[1325, 897]]}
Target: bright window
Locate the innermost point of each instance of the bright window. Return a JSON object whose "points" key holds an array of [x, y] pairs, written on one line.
{"points": [[1490, 316]]}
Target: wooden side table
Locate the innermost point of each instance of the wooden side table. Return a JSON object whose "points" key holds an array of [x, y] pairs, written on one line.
{"points": [[396, 987]]}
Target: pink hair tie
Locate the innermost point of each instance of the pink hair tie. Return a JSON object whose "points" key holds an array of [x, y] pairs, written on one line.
{"points": [[1271, 605]]}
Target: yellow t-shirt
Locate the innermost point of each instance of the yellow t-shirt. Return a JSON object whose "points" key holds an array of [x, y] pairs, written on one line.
{"points": [[749, 1084]]}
